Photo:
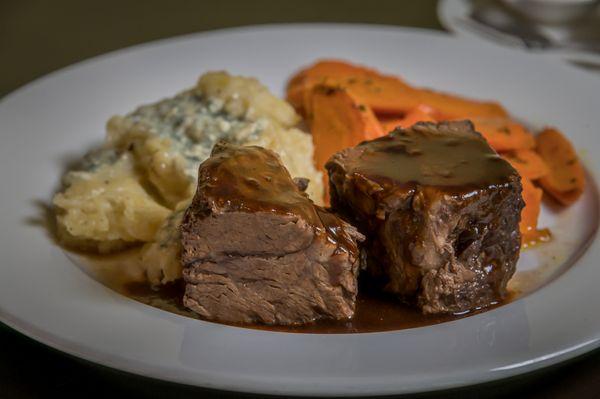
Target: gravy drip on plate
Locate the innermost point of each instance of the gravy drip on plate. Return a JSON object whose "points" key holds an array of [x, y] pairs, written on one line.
{"points": [[374, 312]]}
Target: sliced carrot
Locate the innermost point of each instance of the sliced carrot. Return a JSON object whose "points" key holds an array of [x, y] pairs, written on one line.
{"points": [[301, 83], [338, 120], [449, 106], [532, 196], [528, 163], [422, 113], [565, 181], [504, 134], [385, 94], [365, 83]]}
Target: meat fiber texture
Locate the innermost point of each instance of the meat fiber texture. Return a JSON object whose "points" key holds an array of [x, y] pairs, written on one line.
{"points": [[257, 250], [441, 210]]}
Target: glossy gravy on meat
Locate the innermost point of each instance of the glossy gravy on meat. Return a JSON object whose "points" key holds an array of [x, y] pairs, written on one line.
{"points": [[264, 187], [458, 164]]}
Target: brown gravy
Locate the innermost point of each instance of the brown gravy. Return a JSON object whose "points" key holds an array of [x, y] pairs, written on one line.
{"points": [[535, 237], [449, 156], [373, 312], [264, 186]]}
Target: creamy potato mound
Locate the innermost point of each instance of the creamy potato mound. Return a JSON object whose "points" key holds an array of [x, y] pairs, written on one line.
{"points": [[135, 188]]}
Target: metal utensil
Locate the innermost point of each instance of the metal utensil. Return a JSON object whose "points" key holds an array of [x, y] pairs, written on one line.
{"points": [[493, 19], [500, 20], [556, 12]]}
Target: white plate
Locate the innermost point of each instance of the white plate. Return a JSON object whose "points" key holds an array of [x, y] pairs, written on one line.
{"points": [[46, 297]]}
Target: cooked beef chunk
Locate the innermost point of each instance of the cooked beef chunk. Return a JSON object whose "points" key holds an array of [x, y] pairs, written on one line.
{"points": [[441, 212], [257, 250]]}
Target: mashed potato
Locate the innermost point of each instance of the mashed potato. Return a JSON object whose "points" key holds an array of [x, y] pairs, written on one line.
{"points": [[135, 189], [107, 205]]}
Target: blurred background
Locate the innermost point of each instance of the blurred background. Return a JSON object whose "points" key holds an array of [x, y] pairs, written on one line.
{"points": [[37, 36]]}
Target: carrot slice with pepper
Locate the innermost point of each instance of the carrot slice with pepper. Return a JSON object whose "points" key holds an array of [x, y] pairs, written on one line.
{"points": [[338, 120], [565, 181], [528, 163], [366, 83], [385, 94], [532, 196], [422, 113], [504, 134], [303, 81], [449, 106]]}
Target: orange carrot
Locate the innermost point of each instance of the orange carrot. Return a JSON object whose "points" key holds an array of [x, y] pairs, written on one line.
{"points": [[449, 106], [385, 94], [528, 163], [565, 181], [422, 113], [365, 83], [301, 83], [338, 120], [532, 196], [504, 134]]}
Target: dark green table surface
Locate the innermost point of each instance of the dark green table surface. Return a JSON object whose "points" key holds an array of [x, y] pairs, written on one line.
{"points": [[37, 37]]}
